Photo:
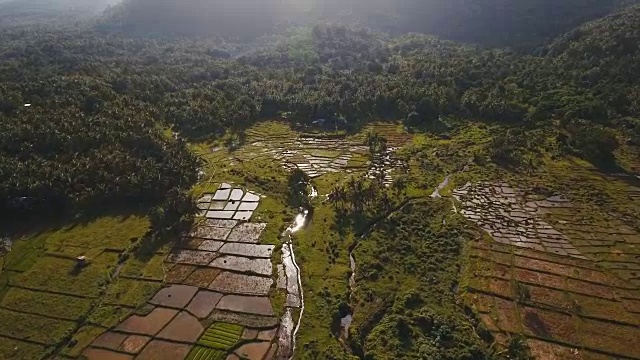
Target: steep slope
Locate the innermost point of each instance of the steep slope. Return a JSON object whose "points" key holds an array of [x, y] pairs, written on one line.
{"points": [[502, 22], [603, 58], [21, 12], [605, 49], [520, 24], [222, 17]]}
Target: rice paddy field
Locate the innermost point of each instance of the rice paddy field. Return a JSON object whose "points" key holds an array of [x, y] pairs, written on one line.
{"points": [[545, 261]]}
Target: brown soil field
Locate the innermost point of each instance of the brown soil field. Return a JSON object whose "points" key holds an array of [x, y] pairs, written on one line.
{"points": [[267, 335], [192, 257], [178, 273], [202, 277], [175, 296], [253, 350], [203, 303], [603, 309], [543, 350], [550, 297], [234, 283], [548, 324], [246, 233], [507, 315], [163, 350], [210, 232], [100, 354], [611, 337], [544, 266], [184, 327], [247, 320], [134, 344], [210, 245], [249, 334], [110, 340], [538, 278], [246, 304], [501, 287], [150, 324], [590, 289]]}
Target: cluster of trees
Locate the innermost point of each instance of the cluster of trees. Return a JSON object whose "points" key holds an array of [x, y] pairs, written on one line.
{"points": [[100, 99], [79, 143], [361, 196], [405, 300], [522, 24]]}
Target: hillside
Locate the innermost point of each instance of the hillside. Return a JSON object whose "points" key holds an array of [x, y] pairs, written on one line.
{"points": [[493, 23], [21, 12], [326, 192], [602, 53], [520, 24]]}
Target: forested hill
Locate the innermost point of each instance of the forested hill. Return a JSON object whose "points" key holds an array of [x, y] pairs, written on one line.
{"points": [[499, 23], [99, 100], [39, 12], [523, 24], [602, 58], [602, 52]]}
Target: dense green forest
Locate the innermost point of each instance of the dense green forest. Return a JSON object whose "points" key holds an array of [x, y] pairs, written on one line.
{"points": [[100, 99], [39, 12], [112, 110], [519, 24]]}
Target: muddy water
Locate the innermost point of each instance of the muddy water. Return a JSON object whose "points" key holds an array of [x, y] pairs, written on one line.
{"points": [[295, 295]]}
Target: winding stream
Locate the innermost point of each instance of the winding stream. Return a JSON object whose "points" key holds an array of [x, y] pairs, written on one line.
{"points": [[345, 322], [295, 295]]}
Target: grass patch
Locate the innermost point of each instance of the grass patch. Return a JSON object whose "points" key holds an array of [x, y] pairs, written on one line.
{"points": [[271, 130], [115, 232], [19, 350], [146, 266], [34, 327], [275, 214], [358, 161], [130, 292], [322, 254], [109, 315], [44, 259], [57, 274], [278, 299], [84, 338], [42, 303]]}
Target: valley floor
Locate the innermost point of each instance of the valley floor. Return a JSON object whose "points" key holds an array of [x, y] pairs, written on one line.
{"points": [[492, 264]]}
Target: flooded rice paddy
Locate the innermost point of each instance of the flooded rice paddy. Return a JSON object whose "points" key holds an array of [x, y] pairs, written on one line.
{"points": [[219, 274], [511, 219]]}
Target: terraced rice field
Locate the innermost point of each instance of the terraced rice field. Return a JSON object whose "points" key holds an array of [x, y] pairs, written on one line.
{"points": [[319, 155], [218, 274], [47, 299], [564, 275]]}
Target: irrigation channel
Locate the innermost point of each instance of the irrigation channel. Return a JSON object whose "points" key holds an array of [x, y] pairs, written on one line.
{"points": [[295, 295]]}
